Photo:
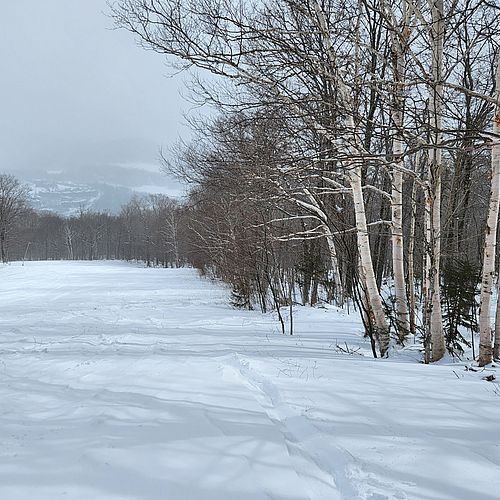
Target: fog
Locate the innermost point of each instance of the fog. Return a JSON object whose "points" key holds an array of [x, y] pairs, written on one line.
{"points": [[81, 100]]}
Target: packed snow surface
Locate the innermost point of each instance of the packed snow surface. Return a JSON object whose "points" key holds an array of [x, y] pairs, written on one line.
{"points": [[121, 382]]}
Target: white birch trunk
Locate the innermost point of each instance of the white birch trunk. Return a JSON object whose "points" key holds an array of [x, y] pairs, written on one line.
{"points": [[411, 265], [496, 346], [436, 319], [435, 110], [402, 316], [399, 69], [427, 272], [488, 272], [373, 301]]}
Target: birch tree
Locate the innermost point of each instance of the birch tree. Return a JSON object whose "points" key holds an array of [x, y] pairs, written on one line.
{"points": [[400, 41], [490, 245], [434, 317], [361, 89]]}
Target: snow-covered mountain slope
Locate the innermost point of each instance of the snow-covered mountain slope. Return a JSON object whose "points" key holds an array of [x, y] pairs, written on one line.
{"points": [[69, 198], [119, 382]]}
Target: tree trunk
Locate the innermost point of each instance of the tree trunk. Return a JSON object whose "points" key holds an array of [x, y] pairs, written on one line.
{"points": [[399, 43], [411, 263], [2, 247], [372, 298], [402, 316], [373, 301], [485, 339], [339, 292], [427, 272], [435, 319]]}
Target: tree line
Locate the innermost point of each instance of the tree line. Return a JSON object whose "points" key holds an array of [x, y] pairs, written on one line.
{"points": [[355, 143], [353, 157], [148, 229]]}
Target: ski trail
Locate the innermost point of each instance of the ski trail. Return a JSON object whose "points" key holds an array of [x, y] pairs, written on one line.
{"points": [[321, 482], [331, 471]]}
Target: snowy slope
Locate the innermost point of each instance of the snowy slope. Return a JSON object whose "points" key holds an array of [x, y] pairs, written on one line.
{"points": [[119, 382]]}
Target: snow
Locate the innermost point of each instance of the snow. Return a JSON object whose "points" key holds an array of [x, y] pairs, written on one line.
{"points": [[121, 382]]}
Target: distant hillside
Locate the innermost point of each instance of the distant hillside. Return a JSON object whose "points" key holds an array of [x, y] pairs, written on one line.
{"points": [[68, 198]]}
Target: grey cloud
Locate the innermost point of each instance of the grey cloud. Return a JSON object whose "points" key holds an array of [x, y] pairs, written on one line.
{"points": [[79, 96]]}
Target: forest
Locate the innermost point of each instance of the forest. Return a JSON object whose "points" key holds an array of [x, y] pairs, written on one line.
{"points": [[352, 157], [317, 317], [354, 142]]}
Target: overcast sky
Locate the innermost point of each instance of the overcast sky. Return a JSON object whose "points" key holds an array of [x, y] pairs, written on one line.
{"points": [[76, 94]]}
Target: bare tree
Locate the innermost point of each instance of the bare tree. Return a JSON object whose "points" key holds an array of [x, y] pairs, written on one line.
{"points": [[353, 115], [13, 204], [490, 244]]}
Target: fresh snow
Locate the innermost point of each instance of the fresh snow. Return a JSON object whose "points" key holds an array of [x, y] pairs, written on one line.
{"points": [[121, 382]]}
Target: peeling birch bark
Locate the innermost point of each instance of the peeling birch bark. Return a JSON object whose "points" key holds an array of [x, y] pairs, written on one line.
{"points": [[411, 265], [373, 300], [486, 351], [435, 320], [401, 301], [374, 304]]}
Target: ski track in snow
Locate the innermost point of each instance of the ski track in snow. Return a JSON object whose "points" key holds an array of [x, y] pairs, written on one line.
{"points": [[338, 469], [120, 382]]}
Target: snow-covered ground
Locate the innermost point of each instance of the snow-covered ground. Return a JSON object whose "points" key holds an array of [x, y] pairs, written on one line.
{"points": [[120, 382]]}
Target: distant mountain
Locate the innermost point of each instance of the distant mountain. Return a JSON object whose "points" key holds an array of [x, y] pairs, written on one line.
{"points": [[69, 198], [105, 188]]}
